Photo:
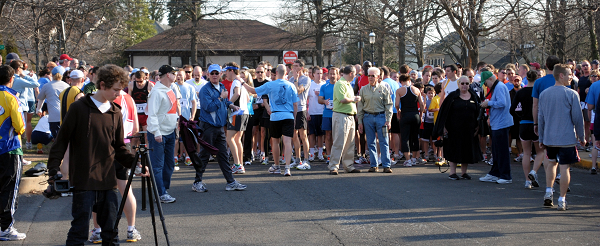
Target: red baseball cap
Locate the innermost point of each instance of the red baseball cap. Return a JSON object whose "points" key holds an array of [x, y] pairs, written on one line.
{"points": [[536, 65], [325, 70], [65, 57]]}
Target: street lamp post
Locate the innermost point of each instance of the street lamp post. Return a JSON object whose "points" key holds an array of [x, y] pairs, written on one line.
{"points": [[372, 41]]}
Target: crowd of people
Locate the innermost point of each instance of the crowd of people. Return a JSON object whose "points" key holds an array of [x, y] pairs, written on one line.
{"points": [[294, 114]]}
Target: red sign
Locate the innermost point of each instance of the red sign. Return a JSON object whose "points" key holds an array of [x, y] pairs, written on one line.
{"points": [[290, 56]]}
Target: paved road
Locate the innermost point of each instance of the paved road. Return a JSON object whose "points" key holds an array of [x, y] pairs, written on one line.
{"points": [[412, 206]]}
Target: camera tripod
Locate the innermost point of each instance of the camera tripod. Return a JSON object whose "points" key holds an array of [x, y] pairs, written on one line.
{"points": [[148, 187]]}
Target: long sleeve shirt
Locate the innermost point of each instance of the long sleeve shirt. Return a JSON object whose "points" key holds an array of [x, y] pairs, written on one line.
{"points": [[20, 85], [560, 122], [500, 108], [214, 109], [375, 99]]}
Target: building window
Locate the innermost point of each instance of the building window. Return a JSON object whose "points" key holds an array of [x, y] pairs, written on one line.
{"points": [[250, 61], [176, 61], [200, 61], [308, 60]]}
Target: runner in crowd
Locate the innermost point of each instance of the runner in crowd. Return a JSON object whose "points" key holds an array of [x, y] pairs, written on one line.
{"points": [[302, 83], [315, 115], [236, 125]]}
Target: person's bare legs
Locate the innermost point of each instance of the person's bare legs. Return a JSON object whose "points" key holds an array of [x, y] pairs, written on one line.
{"points": [[328, 142], [275, 150], [539, 158], [452, 167], [565, 179], [463, 168], [234, 139], [287, 143], [130, 203], [594, 153], [550, 168]]}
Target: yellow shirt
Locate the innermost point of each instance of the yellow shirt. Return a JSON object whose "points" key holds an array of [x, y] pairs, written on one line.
{"points": [[435, 104], [66, 98]]}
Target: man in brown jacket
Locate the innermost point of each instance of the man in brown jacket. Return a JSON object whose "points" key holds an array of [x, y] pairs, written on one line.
{"points": [[94, 129]]}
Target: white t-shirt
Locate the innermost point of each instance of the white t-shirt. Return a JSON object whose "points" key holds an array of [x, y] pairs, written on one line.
{"points": [[42, 125], [314, 108], [243, 95], [477, 78], [103, 107], [449, 86]]}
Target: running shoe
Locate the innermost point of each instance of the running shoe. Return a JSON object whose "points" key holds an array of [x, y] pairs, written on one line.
{"points": [[133, 235], [294, 164], [548, 199], [235, 185], [304, 166], [321, 157], [199, 187], [166, 198], [238, 169], [311, 157], [466, 176], [176, 159], [247, 163], [28, 145], [26, 162], [504, 181], [593, 171], [11, 234], [95, 236], [408, 163], [528, 185], [265, 161], [489, 178], [534, 178], [176, 166], [519, 158], [453, 177], [373, 169], [274, 169], [387, 170], [562, 205], [188, 161], [211, 158], [287, 172]]}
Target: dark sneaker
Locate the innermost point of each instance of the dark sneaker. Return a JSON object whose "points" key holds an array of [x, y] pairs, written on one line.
{"points": [[533, 177], [373, 169], [453, 177], [548, 199], [355, 171], [466, 176], [387, 170], [333, 172], [593, 171]]}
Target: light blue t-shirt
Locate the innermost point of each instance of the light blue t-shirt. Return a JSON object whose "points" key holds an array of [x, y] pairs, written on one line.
{"points": [[282, 96], [543, 83], [327, 93], [593, 94], [393, 86], [42, 82], [188, 94]]}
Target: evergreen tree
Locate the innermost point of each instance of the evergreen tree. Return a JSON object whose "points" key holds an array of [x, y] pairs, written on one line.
{"points": [[139, 24], [176, 12]]}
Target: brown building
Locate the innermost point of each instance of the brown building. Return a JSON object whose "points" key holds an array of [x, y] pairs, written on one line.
{"points": [[245, 42]]}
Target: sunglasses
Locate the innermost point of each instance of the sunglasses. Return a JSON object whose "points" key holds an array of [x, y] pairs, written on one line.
{"points": [[585, 65], [214, 73], [470, 77], [517, 80], [188, 71], [372, 76], [259, 72], [594, 76], [465, 83]]}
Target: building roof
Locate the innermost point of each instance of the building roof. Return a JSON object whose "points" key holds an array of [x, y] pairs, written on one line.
{"points": [[225, 35]]}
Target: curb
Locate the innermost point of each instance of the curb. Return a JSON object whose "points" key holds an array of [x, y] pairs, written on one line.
{"points": [[33, 184]]}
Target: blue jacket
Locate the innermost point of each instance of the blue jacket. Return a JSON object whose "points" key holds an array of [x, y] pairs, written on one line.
{"points": [[500, 108], [11, 120], [210, 101]]}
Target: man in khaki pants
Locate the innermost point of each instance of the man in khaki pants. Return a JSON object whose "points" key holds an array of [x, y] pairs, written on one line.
{"points": [[343, 128]]}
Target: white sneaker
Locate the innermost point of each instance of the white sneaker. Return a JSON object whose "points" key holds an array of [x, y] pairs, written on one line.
{"points": [[528, 185], [95, 236], [489, 178], [287, 172], [321, 158], [238, 169], [199, 187], [304, 166], [562, 205], [274, 169], [166, 198], [11, 234], [26, 162], [311, 157], [294, 163], [504, 181]]}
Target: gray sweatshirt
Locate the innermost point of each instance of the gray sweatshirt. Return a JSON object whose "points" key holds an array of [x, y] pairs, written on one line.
{"points": [[560, 122]]}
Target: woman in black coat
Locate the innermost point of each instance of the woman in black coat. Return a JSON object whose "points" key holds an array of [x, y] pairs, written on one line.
{"points": [[458, 123]]}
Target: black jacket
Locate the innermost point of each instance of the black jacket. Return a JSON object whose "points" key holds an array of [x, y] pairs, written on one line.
{"points": [[96, 140], [440, 123]]}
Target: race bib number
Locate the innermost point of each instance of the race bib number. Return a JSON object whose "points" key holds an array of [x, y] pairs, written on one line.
{"points": [[583, 105], [330, 105], [429, 115], [185, 103], [141, 107], [259, 100]]}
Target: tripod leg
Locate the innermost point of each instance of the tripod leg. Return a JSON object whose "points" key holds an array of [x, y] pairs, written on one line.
{"points": [[158, 205], [123, 200], [150, 201]]}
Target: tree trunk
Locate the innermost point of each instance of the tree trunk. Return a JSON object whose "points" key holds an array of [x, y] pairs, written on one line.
{"points": [[593, 38], [194, 40], [401, 39], [320, 32]]}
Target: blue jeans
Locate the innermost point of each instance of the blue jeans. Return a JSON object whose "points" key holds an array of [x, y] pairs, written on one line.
{"points": [[161, 158], [500, 153], [105, 203], [375, 124]]}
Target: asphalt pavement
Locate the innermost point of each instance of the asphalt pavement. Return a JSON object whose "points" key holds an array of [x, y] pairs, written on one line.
{"points": [[411, 206]]}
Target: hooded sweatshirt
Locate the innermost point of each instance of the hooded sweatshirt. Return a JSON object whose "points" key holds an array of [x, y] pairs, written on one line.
{"points": [[96, 140], [162, 110]]}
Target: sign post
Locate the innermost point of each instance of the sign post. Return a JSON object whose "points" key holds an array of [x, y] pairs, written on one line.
{"points": [[289, 56]]}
